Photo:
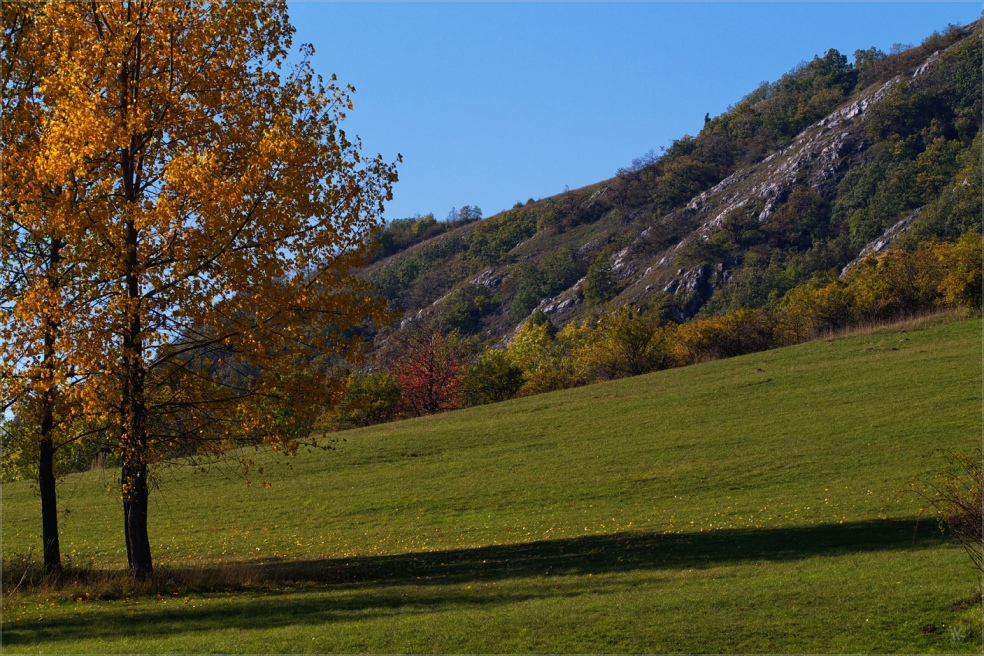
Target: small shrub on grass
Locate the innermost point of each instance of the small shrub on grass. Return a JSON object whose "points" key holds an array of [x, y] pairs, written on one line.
{"points": [[955, 494]]}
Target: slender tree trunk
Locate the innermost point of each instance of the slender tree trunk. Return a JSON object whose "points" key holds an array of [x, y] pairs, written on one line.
{"points": [[46, 461], [135, 515], [46, 486], [134, 475], [136, 492], [125, 484], [134, 433]]}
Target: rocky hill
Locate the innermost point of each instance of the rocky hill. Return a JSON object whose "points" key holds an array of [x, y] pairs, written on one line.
{"points": [[833, 162]]}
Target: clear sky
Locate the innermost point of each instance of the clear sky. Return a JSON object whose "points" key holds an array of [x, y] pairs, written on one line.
{"points": [[494, 103]]}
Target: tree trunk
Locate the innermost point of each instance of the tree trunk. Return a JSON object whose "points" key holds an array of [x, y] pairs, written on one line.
{"points": [[46, 461], [135, 518], [134, 475], [134, 434], [46, 486], [124, 483]]}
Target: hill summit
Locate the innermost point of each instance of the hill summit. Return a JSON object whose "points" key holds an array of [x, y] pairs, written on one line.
{"points": [[834, 161]]}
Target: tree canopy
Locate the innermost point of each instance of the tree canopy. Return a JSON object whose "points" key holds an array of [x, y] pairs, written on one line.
{"points": [[208, 209]]}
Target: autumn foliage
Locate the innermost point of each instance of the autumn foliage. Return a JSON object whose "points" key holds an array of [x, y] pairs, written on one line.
{"points": [[429, 370], [180, 215]]}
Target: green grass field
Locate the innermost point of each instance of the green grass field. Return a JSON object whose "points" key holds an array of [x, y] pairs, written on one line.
{"points": [[756, 504]]}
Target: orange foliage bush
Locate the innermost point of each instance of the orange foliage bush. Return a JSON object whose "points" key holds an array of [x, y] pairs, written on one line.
{"points": [[742, 331]]}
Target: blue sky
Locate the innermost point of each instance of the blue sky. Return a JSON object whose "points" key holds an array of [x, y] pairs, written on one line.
{"points": [[493, 103]]}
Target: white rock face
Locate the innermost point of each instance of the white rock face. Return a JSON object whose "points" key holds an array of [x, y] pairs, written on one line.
{"points": [[881, 243], [488, 279]]}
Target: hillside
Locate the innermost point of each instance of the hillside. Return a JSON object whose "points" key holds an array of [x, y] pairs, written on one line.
{"points": [[754, 504], [802, 176]]}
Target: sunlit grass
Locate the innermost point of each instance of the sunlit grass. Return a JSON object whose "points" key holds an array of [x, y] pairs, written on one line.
{"points": [[759, 503]]}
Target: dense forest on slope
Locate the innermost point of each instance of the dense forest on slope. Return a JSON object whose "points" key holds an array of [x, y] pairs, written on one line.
{"points": [[795, 180]]}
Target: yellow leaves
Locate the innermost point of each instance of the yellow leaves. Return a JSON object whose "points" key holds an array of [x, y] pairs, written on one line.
{"points": [[531, 345], [885, 286], [962, 262], [193, 192]]}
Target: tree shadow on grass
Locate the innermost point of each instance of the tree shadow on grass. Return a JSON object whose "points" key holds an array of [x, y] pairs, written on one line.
{"points": [[376, 586], [595, 554]]}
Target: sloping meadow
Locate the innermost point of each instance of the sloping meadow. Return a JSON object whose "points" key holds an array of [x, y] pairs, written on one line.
{"points": [[757, 504]]}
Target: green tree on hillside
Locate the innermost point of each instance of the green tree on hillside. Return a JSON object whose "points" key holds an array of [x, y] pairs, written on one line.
{"points": [[599, 283], [495, 377]]}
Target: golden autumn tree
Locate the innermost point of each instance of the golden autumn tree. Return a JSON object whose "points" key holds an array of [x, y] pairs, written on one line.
{"points": [[219, 211], [37, 272]]}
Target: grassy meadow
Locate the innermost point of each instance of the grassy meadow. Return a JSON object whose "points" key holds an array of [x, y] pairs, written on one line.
{"points": [[756, 504]]}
